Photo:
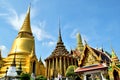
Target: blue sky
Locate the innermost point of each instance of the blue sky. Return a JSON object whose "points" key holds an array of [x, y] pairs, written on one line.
{"points": [[98, 21]]}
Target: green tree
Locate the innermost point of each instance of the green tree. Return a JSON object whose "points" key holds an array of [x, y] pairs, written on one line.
{"points": [[25, 76], [70, 72], [41, 77]]}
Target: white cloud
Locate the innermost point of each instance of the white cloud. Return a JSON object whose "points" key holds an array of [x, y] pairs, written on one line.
{"points": [[4, 50], [50, 43], [14, 19], [74, 32], [84, 38], [40, 33], [2, 47]]}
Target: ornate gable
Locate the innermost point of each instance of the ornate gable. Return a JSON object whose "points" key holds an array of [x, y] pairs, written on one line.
{"points": [[88, 57]]}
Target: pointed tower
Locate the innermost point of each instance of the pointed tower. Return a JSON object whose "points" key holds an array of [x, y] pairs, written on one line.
{"points": [[26, 27], [25, 39], [25, 48], [19, 70], [40, 60], [41, 67], [79, 42], [58, 62], [114, 68], [60, 45], [114, 57], [14, 62]]}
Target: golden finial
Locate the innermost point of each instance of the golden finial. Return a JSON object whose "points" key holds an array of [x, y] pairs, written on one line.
{"points": [[114, 56], [59, 37], [85, 42], [26, 24], [100, 58]]}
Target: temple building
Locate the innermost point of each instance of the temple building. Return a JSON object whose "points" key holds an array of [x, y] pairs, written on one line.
{"points": [[96, 64], [114, 68], [58, 62], [92, 63], [24, 49], [42, 68]]}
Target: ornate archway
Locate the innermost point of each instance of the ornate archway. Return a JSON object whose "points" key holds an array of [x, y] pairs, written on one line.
{"points": [[34, 67], [116, 75]]}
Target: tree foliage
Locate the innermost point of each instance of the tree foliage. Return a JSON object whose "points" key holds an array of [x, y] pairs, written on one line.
{"points": [[70, 72], [41, 77], [25, 76]]}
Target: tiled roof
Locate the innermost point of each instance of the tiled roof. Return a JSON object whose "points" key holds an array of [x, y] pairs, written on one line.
{"points": [[90, 68]]}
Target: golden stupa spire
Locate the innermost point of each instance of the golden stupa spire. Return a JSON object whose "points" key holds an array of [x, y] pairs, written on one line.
{"points": [[114, 56], [14, 62], [79, 42], [26, 24]]}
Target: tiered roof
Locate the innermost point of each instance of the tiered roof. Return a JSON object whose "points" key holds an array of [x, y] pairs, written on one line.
{"points": [[60, 49]]}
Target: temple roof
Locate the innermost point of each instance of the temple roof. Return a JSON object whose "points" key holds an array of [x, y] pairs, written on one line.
{"points": [[40, 61], [26, 24], [60, 49], [91, 68], [104, 56], [98, 55]]}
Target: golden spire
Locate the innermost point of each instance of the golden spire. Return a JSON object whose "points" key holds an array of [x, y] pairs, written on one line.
{"points": [[114, 56], [60, 48], [40, 60], [20, 67], [59, 35], [79, 42], [13, 63], [26, 24]]}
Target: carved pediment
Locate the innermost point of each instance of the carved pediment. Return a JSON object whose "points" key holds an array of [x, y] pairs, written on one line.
{"points": [[88, 57]]}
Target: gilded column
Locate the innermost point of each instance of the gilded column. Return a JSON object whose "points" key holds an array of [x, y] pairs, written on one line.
{"points": [[64, 66], [53, 63], [57, 64], [68, 61], [60, 65], [49, 69], [46, 68], [53, 67]]}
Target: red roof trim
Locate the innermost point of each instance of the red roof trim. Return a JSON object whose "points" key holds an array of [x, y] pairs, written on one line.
{"points": [[97, 67]]}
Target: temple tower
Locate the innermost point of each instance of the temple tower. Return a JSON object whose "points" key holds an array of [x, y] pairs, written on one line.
{"points": [[24, 49], [58, 62], [114, 68], [79, 42]]}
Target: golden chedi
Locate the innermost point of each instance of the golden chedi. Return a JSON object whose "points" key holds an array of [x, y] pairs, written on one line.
{"points": [[24, 49]]}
